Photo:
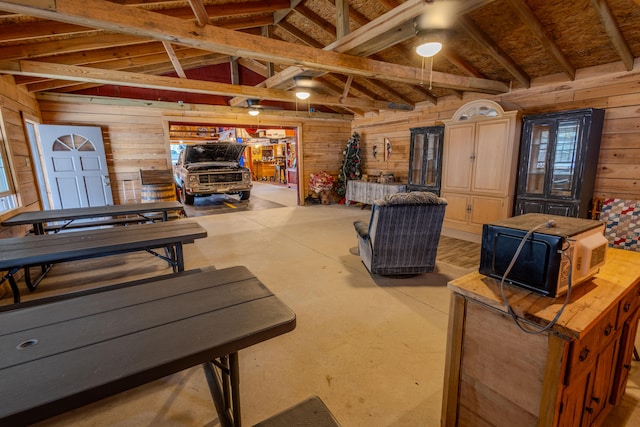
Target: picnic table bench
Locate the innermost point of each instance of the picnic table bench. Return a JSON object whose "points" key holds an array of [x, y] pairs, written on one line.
{"points": [[47, 249], [74, 218], [63, 352]]}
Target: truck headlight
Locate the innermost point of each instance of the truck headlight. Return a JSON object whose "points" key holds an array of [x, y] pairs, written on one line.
{"points": [[246, 176], [193, 178]]}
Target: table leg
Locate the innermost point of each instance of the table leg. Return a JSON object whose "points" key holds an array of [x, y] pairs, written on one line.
{"points": [[223, 377], [12, 284], [38, 228], [179, 256], [33, 284]]}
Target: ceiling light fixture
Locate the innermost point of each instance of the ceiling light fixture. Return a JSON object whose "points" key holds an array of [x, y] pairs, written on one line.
{"points": [[429, 49], [253, 105], [431, 42], [303, 85], [303, 91], [302, 94]]}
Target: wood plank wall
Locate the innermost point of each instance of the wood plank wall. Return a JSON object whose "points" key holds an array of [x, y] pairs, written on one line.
{"points": [[609, 87], [136, 136], [14, 104]]}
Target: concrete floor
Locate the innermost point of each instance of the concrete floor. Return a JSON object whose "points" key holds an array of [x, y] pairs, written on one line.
{"points": [[372, 348]]}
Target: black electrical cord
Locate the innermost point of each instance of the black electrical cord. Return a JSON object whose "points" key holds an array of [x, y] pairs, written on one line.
{"points": [[508, 270]]}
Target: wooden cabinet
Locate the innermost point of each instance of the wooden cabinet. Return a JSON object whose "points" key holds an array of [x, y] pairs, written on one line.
{"points": [[558, 162], [572, 375], [425, 159], [479, 165]]}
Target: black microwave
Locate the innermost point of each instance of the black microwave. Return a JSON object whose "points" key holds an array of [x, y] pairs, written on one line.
{"points": [[557, 246]]}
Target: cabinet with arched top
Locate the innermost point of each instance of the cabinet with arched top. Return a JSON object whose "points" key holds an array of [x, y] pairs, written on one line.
{"points": [[479, 166]]}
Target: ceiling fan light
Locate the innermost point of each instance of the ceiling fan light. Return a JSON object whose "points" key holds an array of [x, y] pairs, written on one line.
{"points": [[254, 112], [429, 49], [302, 94]]}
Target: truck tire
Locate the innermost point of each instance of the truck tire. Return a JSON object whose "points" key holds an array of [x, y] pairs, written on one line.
{"points": [[244, 195], [186, 199]]}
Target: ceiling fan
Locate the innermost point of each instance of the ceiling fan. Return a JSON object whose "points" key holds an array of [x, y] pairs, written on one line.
{"points": [[434, 25], [255, 107]]}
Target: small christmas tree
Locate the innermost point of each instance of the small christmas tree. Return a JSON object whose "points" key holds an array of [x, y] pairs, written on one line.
{"points": [[350, 169]]}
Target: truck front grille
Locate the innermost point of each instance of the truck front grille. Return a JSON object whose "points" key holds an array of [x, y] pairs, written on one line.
{"points": [[220, 177]]}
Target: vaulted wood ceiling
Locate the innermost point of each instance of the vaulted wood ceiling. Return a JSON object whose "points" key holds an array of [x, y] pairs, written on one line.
{"points": [[360, 53]]}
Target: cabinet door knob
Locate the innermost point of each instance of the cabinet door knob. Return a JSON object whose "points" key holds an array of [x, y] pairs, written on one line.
{"points": [[583, 354], [627, 306], [595, 399], [589, 409], [608, 329]]}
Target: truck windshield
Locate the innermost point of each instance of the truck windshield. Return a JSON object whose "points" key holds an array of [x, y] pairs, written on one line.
{"points": [[214, 153]]}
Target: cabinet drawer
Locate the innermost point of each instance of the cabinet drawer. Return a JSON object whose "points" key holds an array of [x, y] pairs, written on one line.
{"points": [[628, 304], [584, 352]]}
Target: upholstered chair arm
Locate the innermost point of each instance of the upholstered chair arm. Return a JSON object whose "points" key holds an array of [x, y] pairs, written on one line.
{"points": [[362, 228]]}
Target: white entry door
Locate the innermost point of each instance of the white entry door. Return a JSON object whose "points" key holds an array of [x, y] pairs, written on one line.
{"points": [[76, 166]]}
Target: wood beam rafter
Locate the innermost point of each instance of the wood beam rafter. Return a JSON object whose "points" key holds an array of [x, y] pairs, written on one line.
{"points": [[384, 27], [531, 21], [106, 15], [617, 39], [316, 19], [496, 51], [189, 59], [85, 74], [174, 59], [300, 35], [200, 11], [342, 18], [280, 15]]}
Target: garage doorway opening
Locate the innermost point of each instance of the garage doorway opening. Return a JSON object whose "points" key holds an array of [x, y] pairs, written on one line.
{"points": [[271, 155]]}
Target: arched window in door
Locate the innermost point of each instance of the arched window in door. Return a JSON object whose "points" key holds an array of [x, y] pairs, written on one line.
{"points": [[72, 142]]}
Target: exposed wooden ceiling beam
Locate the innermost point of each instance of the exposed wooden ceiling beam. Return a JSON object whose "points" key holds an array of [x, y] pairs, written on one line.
{"points": [[385, 26], [174, 59], [38, 29], [75, 44], [280, 15], [335, 90], [527, 16], [347, 86], [200, 12], [267, 31], [48, 28], [106, 15], [177, 108], [300, 35], [496, 51], [85, 74], [381, 33], [424, 92], [617, 39], [342, 18], [122, 57], [160, 66], [461, 63], [327, 27]]}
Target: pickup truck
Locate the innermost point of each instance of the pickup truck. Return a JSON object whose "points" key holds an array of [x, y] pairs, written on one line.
{"points": [[206, 169]]}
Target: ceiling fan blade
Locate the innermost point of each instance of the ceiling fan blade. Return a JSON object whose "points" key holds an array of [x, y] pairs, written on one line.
{"points": [[438, 15]]}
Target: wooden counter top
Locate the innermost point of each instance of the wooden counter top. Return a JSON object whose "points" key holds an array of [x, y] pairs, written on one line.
{"points": [[587, 303]]}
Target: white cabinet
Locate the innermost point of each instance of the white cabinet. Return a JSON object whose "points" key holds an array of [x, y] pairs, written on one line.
{"points": [[479, 165]]}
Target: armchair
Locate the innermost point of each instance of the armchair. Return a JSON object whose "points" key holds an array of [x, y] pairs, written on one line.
{"points": [[403, 233]]}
